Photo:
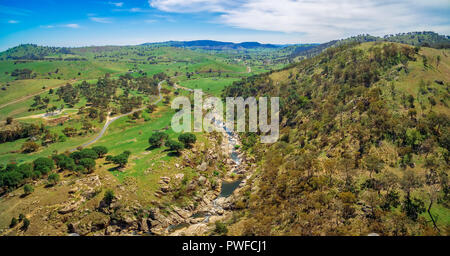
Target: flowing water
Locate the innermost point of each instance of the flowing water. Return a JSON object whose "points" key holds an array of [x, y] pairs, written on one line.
{"points": [[227, 188]]}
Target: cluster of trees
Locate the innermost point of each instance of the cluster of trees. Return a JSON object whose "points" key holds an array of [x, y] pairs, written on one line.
{"points": [[121, 160], [39, 103], [22, 73], [160, 139], [144, 84], [13, 176], [69, 94], [25, 222], [355, 154], [82, 161], [101, 94], [34, 132], [127, 104], [20, 131]]}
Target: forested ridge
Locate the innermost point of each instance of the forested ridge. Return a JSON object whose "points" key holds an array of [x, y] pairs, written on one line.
{"points": [[424, 38], [364, 147]]}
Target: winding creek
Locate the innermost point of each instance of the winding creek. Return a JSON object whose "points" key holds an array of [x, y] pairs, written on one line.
{"points": [[227, 187]]}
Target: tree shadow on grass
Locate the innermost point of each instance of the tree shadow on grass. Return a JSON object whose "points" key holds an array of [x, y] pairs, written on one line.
{"points": [[174, 154], [115, 168], [24, 195], [24, 228], [151, 148]]}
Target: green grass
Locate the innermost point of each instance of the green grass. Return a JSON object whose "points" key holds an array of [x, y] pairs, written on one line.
{"points": [[22, 88], [125, 134], [441, 214], [209, 85], [7, 156], [16, 110], [20, 108], [66, 69], [10, 151]]}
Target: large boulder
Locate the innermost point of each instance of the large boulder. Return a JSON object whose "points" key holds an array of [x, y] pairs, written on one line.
{"points": [[202, 167], [90, 223], [143, 225], [165, 189], [202, 180], [165, 180], [70, 206]]}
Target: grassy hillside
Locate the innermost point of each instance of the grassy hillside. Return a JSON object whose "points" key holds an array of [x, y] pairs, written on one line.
{"points": [[364, 145], [35, 52]]}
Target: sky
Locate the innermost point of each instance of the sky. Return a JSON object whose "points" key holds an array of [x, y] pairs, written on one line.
{"points": [[118, 22]]}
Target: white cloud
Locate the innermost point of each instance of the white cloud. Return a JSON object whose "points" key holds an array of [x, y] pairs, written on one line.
{"points": [[101, 20], [133, 10], [71, 26], [13, 21], [321, 20], [61, 26], [118, 4], [186, 6]]}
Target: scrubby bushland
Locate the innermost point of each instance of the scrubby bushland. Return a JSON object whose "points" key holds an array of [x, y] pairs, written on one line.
{"points": [[361, 150]]}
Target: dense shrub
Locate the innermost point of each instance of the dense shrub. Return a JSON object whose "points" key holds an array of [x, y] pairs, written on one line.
{"points": [[157, 139], [187, 139]]}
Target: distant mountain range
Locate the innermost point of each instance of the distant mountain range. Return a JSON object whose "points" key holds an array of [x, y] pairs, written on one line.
{"points": [[290, 51], [216, 45]]}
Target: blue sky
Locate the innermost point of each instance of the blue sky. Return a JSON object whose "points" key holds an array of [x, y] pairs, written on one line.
{"points": [[117, 22]]}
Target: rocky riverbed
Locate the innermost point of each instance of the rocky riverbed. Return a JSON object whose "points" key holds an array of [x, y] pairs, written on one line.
{"points": [[216, 205]]}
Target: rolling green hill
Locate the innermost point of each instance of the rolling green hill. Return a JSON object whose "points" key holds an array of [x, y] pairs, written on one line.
{"points": [[28, 70], [34, 52]]}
